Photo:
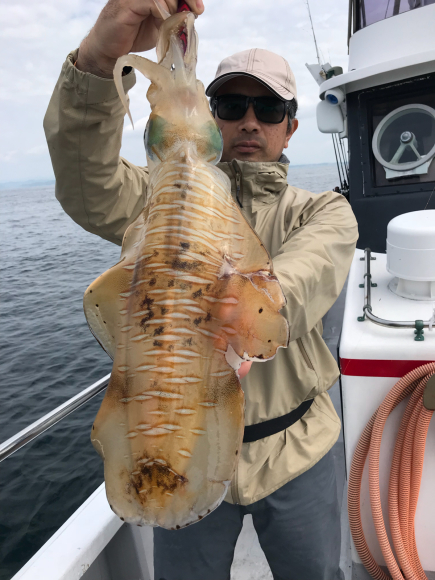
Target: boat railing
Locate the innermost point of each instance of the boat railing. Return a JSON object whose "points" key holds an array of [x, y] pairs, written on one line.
{"points": [[41, 425], [38, 427], [418, 325]]}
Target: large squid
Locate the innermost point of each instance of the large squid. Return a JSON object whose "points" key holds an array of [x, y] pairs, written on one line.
{"points": [[192, 296]]}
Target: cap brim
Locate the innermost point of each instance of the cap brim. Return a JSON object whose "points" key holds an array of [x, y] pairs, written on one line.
{"points": [[277, 89]]}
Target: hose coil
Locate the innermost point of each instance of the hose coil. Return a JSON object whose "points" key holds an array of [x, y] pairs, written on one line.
{"points": [[404, 484]]}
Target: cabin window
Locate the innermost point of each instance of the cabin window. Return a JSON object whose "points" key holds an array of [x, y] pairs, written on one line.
{"points": [[402, 139], [370, 11]]}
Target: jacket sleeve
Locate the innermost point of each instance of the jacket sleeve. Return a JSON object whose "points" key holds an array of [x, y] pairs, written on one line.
{"points": [[314, 259], [83, 124]]}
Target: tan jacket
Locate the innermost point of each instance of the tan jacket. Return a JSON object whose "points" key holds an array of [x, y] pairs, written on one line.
{"points": [[311, 239]]}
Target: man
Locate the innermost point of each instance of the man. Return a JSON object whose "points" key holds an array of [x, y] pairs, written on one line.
{"points": [[285, 476]]}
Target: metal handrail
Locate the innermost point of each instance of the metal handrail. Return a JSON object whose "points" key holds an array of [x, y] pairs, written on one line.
{"points": [[367, 308], [41, 425]]}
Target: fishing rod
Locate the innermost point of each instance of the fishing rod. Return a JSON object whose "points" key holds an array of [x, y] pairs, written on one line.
{"points": [[339, 150], [314, 35]]}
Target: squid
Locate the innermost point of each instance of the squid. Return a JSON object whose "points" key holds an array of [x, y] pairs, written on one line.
{"points": [[192, 297]]}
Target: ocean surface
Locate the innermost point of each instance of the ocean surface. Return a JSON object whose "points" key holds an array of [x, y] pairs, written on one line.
{"points": [[48, 355]]}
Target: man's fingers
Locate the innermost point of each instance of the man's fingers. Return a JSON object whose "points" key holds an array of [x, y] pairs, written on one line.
{"points": [[244, 369], [196, 6]]}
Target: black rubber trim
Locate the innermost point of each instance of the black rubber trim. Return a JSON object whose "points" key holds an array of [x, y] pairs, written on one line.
{"points": [[272, 426]]}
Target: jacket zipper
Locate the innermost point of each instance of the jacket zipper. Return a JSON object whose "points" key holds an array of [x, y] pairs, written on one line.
{"points": [[238, 178], [238, 189], [305, 354], [235, 487]]}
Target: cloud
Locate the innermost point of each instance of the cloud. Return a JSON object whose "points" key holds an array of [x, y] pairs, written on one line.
{"points": [[8, 157], [141, 124], [37, 36], [38, 150]]}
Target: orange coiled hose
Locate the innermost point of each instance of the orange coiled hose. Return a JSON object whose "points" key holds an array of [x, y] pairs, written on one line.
{"points": [[405, 479]]}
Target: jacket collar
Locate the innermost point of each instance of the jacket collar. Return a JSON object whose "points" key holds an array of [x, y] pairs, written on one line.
{"points": [[260, 180]]}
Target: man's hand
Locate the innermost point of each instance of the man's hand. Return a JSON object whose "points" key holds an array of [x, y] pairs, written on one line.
{"points": [[244, 368], [124, 26]]}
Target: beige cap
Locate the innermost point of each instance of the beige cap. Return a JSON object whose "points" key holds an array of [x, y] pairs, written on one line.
{"points": [[267, 67]]}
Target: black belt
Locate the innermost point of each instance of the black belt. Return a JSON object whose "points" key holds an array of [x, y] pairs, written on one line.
{"points": [[272, 426]]}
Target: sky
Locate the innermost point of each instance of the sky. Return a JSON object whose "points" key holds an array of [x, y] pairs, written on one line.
{"points": [[36, 37]]}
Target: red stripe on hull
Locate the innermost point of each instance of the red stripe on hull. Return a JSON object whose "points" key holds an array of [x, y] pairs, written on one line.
{"points": [[378, 368]]}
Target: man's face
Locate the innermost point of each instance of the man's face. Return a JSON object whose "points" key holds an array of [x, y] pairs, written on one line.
{"points": [[249, 139]]}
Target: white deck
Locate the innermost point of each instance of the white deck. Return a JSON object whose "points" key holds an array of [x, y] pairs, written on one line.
{"points": [[92, 545]]}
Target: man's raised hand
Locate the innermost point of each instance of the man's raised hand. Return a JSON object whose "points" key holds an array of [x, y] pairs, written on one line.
{"points": [[124, 26]]}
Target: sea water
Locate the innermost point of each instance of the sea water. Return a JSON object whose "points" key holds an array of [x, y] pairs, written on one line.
{"points": [[48, 355]]}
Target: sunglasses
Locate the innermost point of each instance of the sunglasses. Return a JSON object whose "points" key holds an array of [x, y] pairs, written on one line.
{"points": [[234, 107]]}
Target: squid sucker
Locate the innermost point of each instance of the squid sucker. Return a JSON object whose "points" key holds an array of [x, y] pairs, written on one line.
{"points": [[192, 297]]}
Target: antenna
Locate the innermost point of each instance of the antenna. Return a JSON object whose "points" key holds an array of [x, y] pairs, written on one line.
{"points": [[314, 35]]}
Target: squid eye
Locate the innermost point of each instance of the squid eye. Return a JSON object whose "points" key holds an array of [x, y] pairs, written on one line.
{"points": [[154, 137], [213, 140]]}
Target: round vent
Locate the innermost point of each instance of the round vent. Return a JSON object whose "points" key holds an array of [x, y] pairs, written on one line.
{"points": [[411, 254], [405, 138]]}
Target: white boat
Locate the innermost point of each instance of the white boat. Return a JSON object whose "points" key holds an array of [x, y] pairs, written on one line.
{"points": [[385, 107]]}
